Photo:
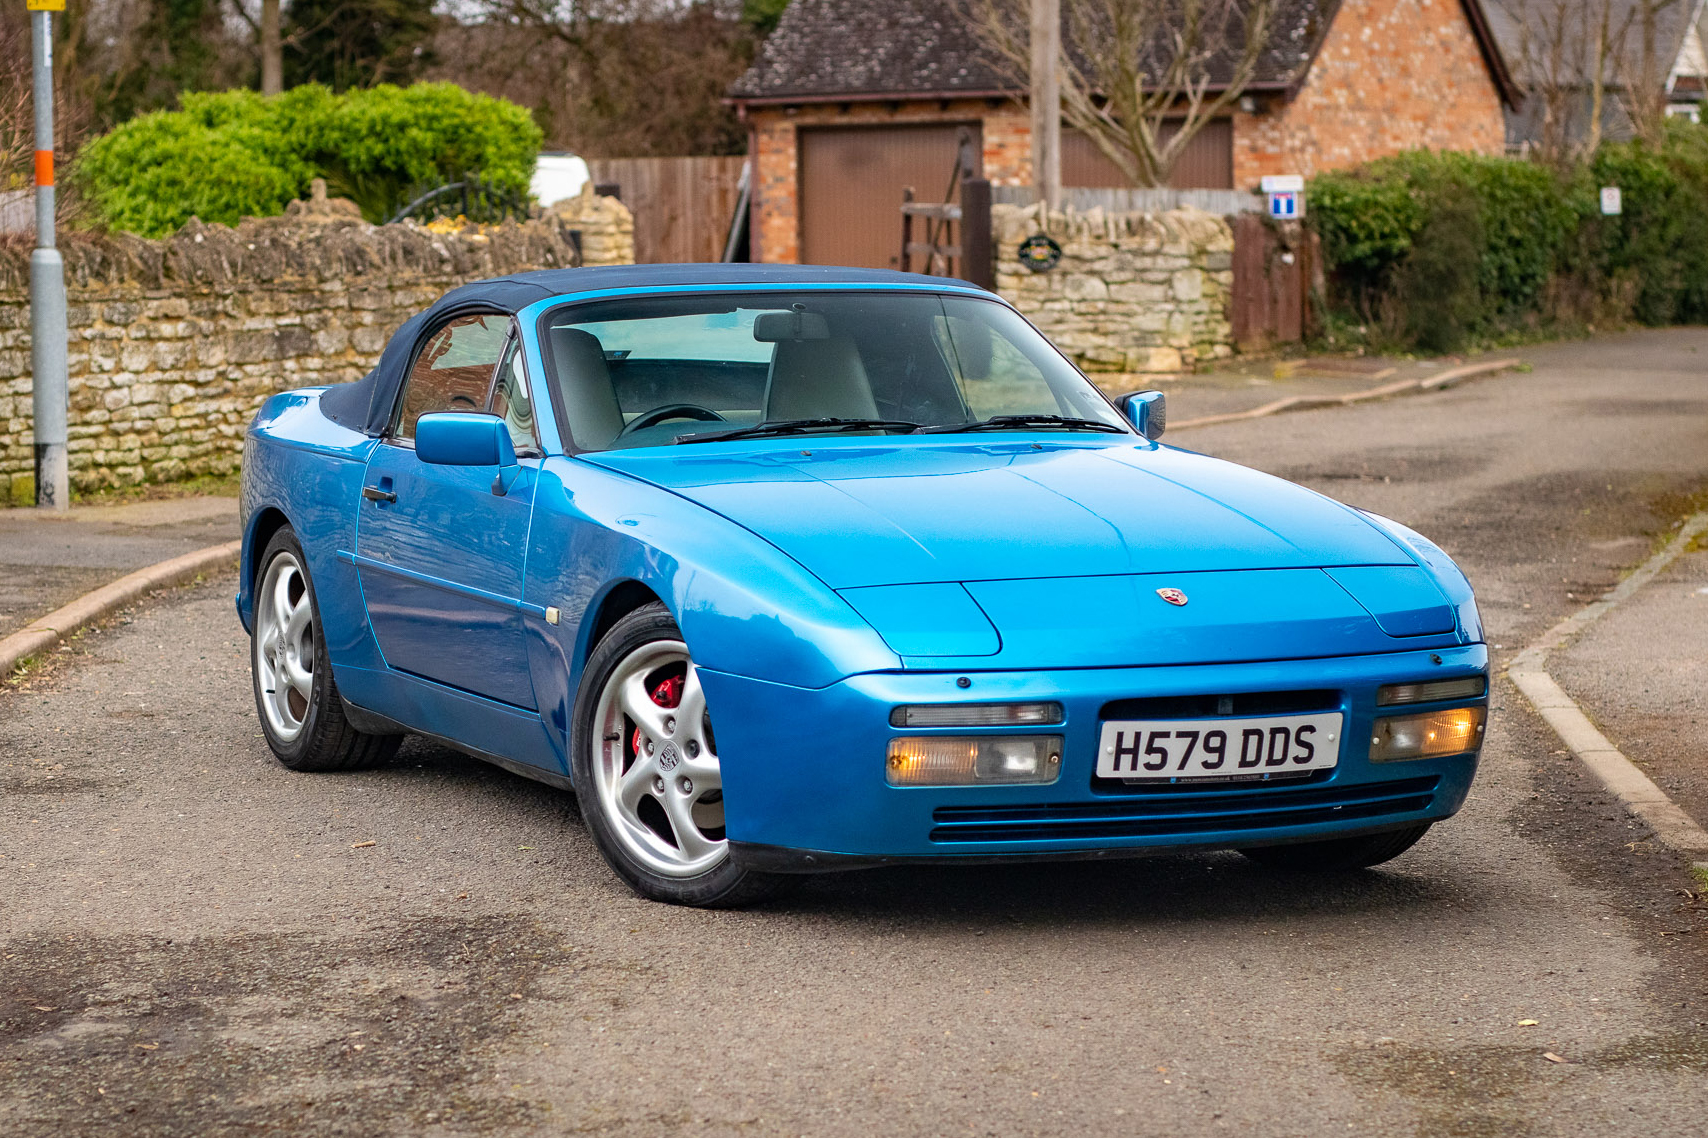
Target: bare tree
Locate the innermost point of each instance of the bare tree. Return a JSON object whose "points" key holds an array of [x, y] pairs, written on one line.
{"points": [[1643, 69], [272, 55], [1140, 78], [610, 77], [1568, 53]]}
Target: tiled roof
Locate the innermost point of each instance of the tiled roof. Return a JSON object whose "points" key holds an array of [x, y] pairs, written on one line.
{"points": [[823, 49]]}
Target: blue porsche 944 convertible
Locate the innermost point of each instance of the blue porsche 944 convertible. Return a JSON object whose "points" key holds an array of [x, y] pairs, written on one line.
{"points": [[786, 569]]}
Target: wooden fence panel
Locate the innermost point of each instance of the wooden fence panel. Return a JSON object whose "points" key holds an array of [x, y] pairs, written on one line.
{"points": [[1269, 284], [682, 206]]}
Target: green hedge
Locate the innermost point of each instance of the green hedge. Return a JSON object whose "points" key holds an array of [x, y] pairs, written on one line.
{"points": [[1434, 249], [238, 154]]}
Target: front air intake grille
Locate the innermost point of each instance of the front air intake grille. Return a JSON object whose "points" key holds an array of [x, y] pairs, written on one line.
{"points": [[1176, 813]]}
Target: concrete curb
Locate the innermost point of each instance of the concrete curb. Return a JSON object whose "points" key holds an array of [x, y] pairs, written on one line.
{"points": [[1436, 382], [40, 635], [1623, 778]]}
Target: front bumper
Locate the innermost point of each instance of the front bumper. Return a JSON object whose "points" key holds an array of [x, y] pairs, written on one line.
{"points": [[805, 789]]}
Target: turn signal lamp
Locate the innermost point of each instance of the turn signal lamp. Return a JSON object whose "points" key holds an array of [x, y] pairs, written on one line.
{"points": [[976, 715], [973, 760], [1432, 735], [1465, 687]]}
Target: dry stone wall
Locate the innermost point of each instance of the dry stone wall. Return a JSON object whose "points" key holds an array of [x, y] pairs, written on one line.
{"points": [[1133, 292], [175, 343]]}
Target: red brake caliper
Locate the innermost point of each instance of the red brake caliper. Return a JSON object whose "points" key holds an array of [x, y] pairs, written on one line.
{"points": [[666, 693]]}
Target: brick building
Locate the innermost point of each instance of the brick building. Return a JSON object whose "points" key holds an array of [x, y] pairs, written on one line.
{"points": [[852, 100]]}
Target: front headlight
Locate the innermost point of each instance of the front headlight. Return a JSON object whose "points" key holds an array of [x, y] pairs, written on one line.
{"points": [[1432, 735], [969, 760]]}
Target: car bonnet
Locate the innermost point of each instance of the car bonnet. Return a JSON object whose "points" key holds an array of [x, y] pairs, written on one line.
{"points": [[909, 510]]}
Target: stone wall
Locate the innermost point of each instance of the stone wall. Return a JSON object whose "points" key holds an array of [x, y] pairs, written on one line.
{"points": [[1134, 292], [606, 226], [175, 343]]}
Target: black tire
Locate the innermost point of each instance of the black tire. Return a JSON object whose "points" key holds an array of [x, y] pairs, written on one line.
{"points": [[723, 885], [1339, 855], [324, 740]]}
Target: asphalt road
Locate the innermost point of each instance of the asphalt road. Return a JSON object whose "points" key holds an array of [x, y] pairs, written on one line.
{"points": [[196, 941]]}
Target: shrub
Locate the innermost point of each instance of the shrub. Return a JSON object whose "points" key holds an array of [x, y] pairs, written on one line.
{"points": [[155, 172], [1442, 247], [234, 154], [1658, 241], [1489, 227], [1438, 290]]}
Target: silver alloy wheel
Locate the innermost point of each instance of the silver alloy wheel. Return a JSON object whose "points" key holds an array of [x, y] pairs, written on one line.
{"points": [[655, 767], [284, 646]]}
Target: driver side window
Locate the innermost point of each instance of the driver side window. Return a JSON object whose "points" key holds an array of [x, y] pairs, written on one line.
{"points": [[454, 370]]}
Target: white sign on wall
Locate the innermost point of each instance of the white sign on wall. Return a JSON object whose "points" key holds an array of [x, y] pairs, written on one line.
{"points": [[1286, 195], [1611, 203]]}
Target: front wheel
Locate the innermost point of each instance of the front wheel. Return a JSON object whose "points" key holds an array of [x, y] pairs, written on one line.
{"points": [[1337, 855], [647, 771], [302, 714]]}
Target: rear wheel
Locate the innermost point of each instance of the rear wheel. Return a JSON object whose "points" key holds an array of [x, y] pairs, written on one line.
{"points": [[302, 714], [1339, 854], [647, 770]]}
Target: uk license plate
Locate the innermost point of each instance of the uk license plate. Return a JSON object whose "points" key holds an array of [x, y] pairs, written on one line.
{"points": [[1212, 749]]}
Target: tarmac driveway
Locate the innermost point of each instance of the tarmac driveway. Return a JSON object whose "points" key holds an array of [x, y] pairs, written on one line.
{"points": [[196, 941]]}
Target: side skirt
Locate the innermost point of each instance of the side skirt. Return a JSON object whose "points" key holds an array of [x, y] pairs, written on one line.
{"points": [[373, 723]]}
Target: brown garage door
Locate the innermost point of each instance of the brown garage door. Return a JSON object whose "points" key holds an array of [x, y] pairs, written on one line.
{"points": [[851, 185], [1207, 164]]}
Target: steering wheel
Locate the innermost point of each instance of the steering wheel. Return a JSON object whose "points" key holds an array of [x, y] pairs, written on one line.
{"points": [[673, 411]]}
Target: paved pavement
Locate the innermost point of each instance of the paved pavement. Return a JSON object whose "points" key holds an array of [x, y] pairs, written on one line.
{"points": [[195, 941], [1641, 673], [49, 559]]}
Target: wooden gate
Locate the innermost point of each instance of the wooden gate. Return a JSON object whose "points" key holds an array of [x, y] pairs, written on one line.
{"points": [[682, 206], [1272, 272]]}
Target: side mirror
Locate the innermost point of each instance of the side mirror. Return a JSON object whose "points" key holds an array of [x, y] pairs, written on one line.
{"points": [[1147, 411], [459, 438]]}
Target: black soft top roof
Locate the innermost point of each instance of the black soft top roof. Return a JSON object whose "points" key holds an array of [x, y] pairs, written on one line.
{"points": [[366, 404]]}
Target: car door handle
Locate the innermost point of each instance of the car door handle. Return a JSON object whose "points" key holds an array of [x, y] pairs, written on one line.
{"points": [[375, 494]]}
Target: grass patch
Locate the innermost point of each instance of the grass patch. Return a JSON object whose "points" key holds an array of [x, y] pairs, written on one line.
{"points": [[203, 485]]}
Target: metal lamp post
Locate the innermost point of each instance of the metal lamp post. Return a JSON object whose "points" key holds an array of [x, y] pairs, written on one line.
{"points": [[49, 382]]}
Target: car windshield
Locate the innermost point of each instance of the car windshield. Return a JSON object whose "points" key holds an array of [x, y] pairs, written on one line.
{"points": [[665, 371]]}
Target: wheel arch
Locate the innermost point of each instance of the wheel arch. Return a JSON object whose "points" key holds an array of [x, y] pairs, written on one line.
{"points": [[619, 600], [267, 521]]}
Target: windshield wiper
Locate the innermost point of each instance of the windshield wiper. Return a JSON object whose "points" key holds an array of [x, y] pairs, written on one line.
{"points": [[798, 427], [1017, 422]]}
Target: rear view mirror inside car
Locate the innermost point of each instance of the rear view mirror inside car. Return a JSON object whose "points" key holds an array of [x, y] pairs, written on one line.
{"points": [[772, 327]]}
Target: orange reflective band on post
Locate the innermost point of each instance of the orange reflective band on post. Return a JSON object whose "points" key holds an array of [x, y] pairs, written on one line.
{"points": [[44, 167]]}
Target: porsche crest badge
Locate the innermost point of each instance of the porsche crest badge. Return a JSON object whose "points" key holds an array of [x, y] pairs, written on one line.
{"points": [[1172, 596]]}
